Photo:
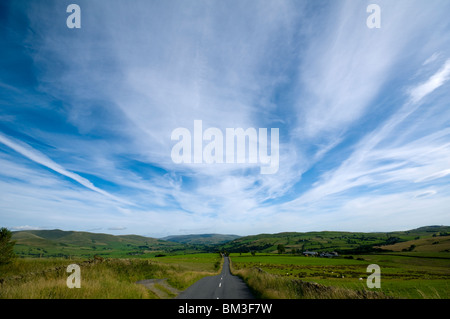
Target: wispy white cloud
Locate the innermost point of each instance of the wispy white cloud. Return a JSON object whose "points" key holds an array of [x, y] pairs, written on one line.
{"points": [[349, 142], [42, 159], [436, 175], [426, 193], [117, 228], [432, 58], [345, 68], [437, 80], [391, 155], [25, 227]]}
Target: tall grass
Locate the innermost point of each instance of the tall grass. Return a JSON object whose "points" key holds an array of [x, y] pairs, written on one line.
{"points": [[112, 278]]}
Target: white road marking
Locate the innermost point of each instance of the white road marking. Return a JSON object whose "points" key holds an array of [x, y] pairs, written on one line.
{"points": [[220, 284]]}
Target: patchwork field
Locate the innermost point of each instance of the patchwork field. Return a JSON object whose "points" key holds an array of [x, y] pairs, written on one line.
{"points": [[68, 244], [430, 244], [402, 276]]}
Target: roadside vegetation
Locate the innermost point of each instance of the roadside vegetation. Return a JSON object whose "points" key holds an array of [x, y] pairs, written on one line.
{"points": [[269, 286], [46, 278], [287, 277]]}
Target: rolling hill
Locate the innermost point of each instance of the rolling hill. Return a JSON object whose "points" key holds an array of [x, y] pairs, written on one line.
{"points": [[428, 244], [342, 242], [201, 239], [59, 243]]}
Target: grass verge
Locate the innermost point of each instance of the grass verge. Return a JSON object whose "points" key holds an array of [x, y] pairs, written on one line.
{"points": [[270, 286], [109, 279]]}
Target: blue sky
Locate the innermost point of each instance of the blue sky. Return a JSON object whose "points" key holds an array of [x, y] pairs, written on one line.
{"points": [[86, 115]]}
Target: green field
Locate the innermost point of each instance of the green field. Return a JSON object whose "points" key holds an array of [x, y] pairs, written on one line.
{"points": [[429, 238], [57, 243], [402, 276]]}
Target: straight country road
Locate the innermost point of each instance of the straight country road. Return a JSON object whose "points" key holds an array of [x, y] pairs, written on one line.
{"points": [[223, 286]]}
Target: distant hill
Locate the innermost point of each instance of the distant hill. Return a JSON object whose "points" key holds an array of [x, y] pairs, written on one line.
{"points": [[428, 244], [202, 239], [342, 242], [59, 243]]}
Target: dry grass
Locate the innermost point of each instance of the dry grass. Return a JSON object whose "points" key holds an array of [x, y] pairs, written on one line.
{"points": [[433, 244], [110, 279]]}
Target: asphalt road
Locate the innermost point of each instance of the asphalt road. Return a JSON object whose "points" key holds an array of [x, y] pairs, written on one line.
{"points": [[223, 286]]}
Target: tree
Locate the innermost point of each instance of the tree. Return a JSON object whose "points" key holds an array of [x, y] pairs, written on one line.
{"points": [[281, 248], [6, 246]]}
